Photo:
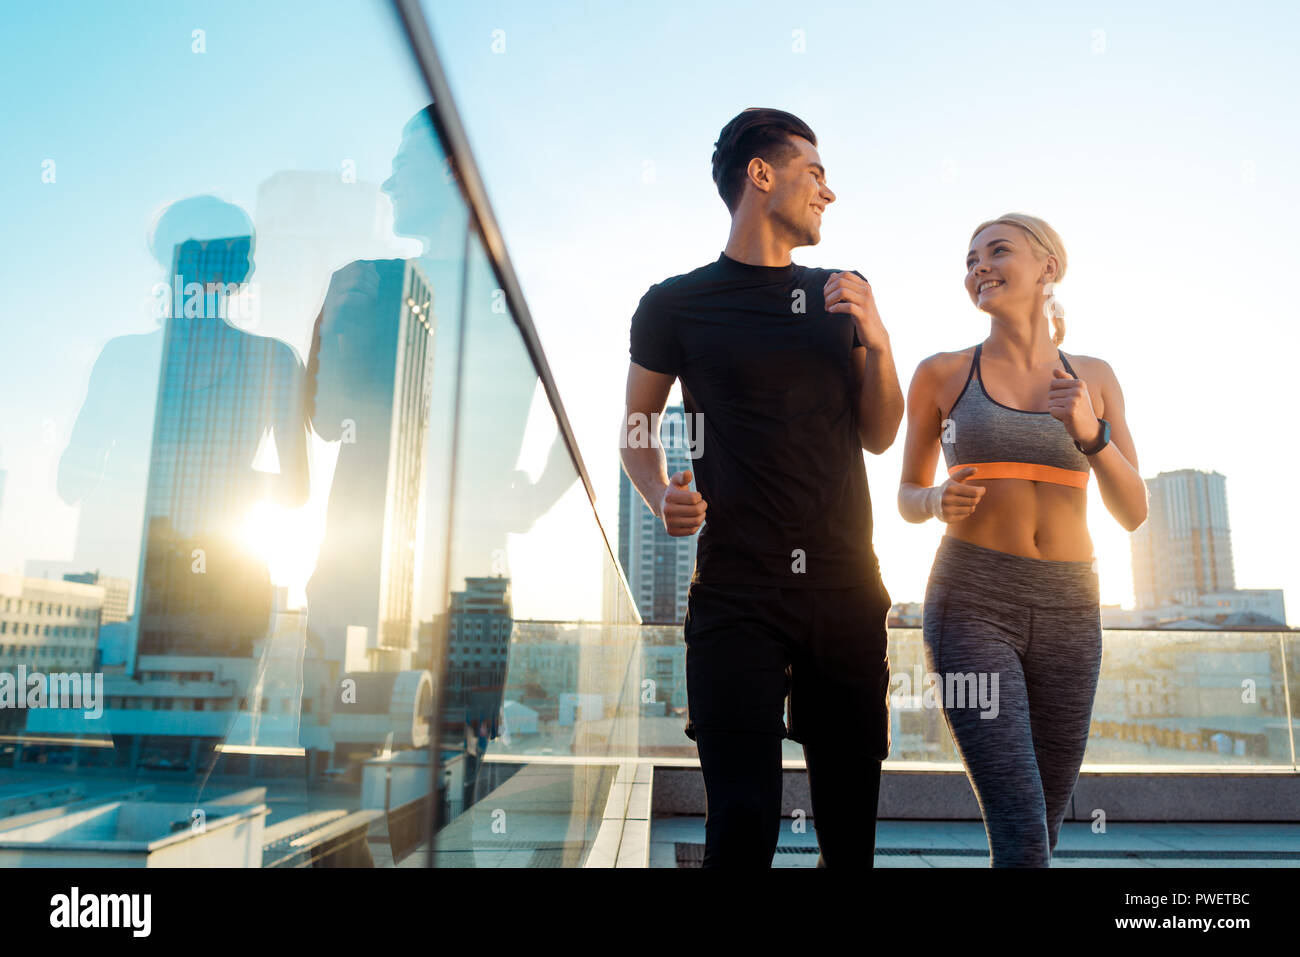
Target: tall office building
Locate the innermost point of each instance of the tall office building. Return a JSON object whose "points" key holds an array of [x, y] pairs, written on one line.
{"points": [[229, 433], [658, 566], [1184, 549], [370, 387]]}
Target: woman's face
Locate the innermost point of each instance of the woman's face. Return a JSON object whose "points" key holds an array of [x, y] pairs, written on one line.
{"points": [[1003, 274]]}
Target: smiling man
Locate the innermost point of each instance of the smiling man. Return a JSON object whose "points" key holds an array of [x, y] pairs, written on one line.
{"points": [[788, 370]]}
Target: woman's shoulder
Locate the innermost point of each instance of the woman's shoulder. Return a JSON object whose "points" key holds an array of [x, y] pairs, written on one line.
{"points": [[942, 365], [1090, 367], [941, 377]]}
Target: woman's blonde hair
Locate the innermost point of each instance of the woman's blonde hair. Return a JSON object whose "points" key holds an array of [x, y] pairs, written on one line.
{"points": [[1045, 241]]}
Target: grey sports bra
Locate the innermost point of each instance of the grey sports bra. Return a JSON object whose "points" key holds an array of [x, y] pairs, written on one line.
{"points": [[1009, 443]]}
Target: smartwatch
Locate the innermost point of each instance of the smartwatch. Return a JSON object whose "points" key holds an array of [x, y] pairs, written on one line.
{"points": [[1103, 440]]}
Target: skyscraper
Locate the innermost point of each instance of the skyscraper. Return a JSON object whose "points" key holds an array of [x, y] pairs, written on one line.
{"points": [[229, 433], [370, 377], [1184, 549], [658, 566]]}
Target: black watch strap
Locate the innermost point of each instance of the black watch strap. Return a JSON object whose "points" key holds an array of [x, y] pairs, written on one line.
{"points": [[1103, 440]]}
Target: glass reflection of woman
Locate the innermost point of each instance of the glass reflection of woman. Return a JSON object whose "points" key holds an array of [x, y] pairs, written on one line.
{"points": [[1012, 621]]}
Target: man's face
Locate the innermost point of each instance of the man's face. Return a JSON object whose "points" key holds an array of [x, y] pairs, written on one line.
{"points": [[421, 187], [800, 195]]}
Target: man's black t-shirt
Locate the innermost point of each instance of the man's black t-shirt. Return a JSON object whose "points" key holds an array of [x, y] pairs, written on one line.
{"points": [[767, 374]]}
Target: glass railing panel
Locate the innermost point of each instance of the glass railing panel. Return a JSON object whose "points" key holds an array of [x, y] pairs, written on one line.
{"points": [[541, 677], [1290, 654], [1173, 699], [1165, 700], [228, 432]]}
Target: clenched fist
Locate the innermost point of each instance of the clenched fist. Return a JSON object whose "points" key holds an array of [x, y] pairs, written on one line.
{"points": [[1069, 402], [954, 499], [849, 292], [681, 509]]}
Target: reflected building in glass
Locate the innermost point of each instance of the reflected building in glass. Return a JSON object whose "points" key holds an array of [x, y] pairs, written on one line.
{"points": [[229, 437], [48, 625], [370, 381], [478, 648], [117, 595]]}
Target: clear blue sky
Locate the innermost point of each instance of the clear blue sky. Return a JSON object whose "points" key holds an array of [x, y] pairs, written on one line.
{"points": [[1159, 138]]}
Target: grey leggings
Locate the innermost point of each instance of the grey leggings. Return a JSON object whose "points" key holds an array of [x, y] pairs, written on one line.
{"points": [[1016, 643]]}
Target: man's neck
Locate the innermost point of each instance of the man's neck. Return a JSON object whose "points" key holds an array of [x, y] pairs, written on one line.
{"points": [[754, 241]]}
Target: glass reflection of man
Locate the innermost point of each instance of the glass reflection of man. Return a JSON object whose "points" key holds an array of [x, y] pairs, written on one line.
{"points": [[228, 434], [105, 466], [185, 431], [498, 380], [370, 375], [352, 383]]}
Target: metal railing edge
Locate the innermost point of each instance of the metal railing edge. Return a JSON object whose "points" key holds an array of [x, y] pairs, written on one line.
{"points": [[455, 140]]}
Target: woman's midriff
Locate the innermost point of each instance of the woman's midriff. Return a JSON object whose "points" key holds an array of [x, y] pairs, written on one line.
{"points": [[1032, 519]]}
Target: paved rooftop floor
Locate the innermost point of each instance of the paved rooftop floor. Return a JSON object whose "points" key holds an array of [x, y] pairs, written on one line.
{"points": [[963, 844]]}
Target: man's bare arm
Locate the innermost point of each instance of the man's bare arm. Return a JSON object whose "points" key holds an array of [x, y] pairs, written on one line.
{"points": [[670, 499], [879, 399]]}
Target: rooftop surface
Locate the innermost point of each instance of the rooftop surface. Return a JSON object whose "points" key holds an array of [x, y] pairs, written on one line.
{"points": [[679, 842]]}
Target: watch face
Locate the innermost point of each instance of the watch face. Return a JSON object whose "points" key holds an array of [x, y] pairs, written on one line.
{"points": [[1104, 439]]}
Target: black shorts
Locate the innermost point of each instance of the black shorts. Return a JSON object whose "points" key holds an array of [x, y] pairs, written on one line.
{"points": [[750, 647]]}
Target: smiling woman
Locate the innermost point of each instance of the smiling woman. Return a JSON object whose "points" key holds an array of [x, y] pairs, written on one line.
{"points": [[1020, 423], [1000, 246], [1014, 589]]}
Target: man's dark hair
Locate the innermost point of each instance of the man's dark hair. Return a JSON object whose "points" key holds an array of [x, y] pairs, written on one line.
{"points": [[754, 132]]}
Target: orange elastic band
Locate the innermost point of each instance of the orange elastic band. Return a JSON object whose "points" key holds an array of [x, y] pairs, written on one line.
{"points": [[1025, 470]]}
